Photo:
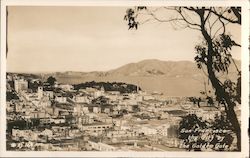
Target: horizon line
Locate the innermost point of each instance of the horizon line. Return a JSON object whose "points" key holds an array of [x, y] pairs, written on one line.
{"points": [[59, 71]]}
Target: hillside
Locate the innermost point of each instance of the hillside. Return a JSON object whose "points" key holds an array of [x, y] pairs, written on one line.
{"points": [[172, 78], [155, 67]]}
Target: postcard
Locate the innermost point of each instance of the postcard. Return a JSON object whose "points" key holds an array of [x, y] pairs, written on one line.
{"points": [[124, 78]]}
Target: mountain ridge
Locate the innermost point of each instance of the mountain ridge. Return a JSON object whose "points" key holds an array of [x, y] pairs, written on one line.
{"points": [[172, 78]]}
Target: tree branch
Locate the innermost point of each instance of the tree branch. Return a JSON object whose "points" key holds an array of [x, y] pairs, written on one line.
{"points": [[185, 19], [220, 15], [223, 26]]}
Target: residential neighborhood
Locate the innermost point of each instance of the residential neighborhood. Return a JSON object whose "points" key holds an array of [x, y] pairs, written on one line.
{"points": [[58, 117]]}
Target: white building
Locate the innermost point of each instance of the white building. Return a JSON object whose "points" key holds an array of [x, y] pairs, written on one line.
{"points": [[163, 130], [28, 135], [66, 87], [48, 133], [20, 85], [49, 94], [147, 130], [121, 133], [96, 109], [81, 99], [101, 146], [80, 109], [96, 128], [98, 94], [103, 118], [40, 92], [60, 99]]}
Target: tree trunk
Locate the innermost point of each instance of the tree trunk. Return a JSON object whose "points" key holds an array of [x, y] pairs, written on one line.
{"points": [[219, 90]]}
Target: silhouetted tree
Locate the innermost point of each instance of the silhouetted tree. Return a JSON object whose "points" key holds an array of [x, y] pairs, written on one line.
{"points": [[195, 100], [11, 96], [196, 125], [113, 86], [34, 85], [213, 53], [51, 80]]}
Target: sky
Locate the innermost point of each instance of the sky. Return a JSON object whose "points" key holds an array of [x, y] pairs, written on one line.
{"points": [[81, 38]]}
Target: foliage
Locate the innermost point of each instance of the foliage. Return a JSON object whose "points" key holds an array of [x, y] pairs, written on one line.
{"points": [[51, 80], [222, 46], [190, 122], [23, 124], [131, 17], [195, 100], [113, 86], [34, 85], [214, 52], [100, 100], [221, 60], [11, 83], [11, 96], [209, 139]]}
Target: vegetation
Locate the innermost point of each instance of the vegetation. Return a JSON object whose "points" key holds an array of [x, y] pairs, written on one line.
{"points": [[108, 86], [213, 54], [11, 96], [51, 80], [34, 85], [11, 83], [22, 124], [100, 100], [209, 139]]}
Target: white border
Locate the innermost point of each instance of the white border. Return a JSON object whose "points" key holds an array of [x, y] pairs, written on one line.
{"points": [[245, 77]]}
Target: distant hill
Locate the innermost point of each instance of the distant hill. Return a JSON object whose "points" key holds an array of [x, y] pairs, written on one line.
{"points": [[155, 67], [172, 78]]}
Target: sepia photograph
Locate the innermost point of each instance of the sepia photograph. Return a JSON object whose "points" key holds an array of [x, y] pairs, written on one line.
{"points": [[124, 78]]}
